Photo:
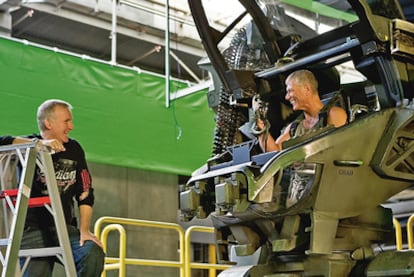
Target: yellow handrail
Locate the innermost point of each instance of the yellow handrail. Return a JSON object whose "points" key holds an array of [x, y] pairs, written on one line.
{"points": [[184, 264], [212, 259], [398, 234], [188, 265], [122, 248], [410, 232], [118, 263]]}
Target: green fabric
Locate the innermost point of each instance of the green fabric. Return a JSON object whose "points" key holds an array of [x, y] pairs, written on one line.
{"points": [[120, 116], [316, 7]]}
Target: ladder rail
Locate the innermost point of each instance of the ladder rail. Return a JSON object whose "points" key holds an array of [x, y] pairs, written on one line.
{"points": [[5, 181], [18, 220], [58, 214], [29, 156]]}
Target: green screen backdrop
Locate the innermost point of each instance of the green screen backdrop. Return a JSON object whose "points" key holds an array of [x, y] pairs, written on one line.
{"points": [[119, 114]]}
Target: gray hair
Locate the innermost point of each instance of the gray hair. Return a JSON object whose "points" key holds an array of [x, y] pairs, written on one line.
{"points": [[303, 77], [47, 111]]}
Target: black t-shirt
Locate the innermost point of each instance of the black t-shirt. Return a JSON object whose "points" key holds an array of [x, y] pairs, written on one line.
{"points": [[74, 183]]}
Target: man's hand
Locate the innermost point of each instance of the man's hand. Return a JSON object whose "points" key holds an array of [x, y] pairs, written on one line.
{"points": [[260, 124], [53, 144], [84, 236]]}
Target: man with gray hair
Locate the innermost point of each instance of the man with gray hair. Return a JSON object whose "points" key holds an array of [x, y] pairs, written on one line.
{"points": [[54, 118], [302, 93]]}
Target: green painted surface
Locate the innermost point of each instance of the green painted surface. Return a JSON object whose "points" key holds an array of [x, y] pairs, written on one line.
{"points": [[119, 115], [316, 7]]}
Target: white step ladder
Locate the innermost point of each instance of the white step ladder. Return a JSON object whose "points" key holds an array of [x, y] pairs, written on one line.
{"points": [[17, 202]]}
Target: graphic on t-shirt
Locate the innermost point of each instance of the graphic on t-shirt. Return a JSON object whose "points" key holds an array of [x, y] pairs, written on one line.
{"points": [[65, 171]]}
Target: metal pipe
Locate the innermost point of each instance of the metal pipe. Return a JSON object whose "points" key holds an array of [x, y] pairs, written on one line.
{"points": [[113, 33], [157, 12], [156, 49], [185, 67], [167, 53], [28, 14]]}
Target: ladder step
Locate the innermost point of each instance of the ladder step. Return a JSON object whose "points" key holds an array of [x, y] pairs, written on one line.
{"points": [[34, 202], [4, 242], [41, 252], [9, 192]]}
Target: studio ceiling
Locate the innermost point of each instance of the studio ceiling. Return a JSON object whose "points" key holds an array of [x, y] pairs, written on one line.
{"points": [[84, 27]]}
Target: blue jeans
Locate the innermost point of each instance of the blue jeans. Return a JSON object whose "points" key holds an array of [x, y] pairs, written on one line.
{"points": [[89, 259]]}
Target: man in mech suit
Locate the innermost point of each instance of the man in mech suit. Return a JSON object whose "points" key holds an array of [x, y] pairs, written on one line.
{"points": [[302, 93]]}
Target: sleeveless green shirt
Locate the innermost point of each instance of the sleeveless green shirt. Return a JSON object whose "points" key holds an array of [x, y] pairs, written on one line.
{"points": [[297, 129]]}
